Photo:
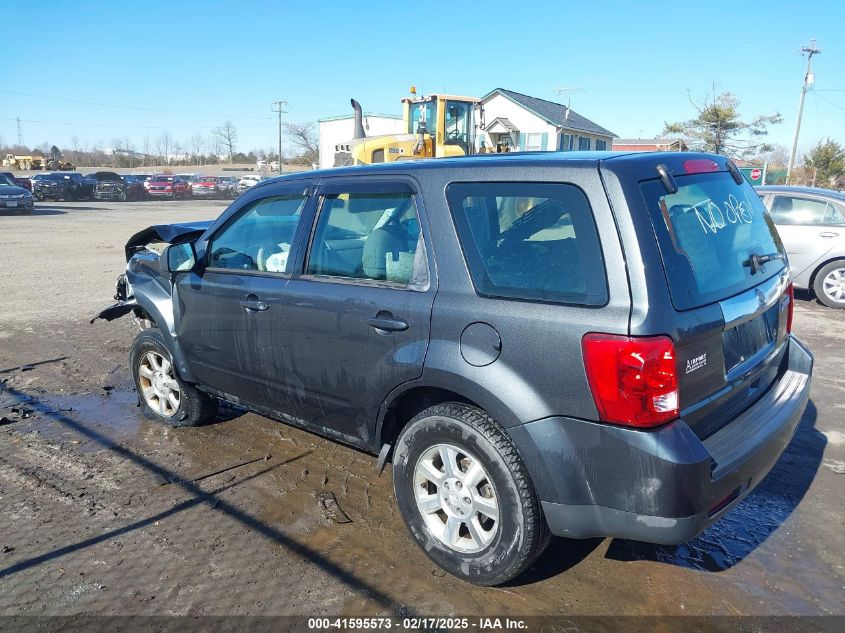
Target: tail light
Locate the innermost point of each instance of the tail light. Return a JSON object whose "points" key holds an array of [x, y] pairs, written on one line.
{"points": [[790, 291], [634, 380]]}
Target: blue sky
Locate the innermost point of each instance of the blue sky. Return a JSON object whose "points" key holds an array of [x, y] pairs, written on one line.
{"points": [[185, 67]]}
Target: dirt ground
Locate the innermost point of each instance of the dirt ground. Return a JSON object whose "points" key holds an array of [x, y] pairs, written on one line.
{"points": [[103, 512]]}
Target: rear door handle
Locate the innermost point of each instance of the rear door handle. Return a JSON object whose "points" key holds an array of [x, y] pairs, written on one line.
{"points": [[386, 322], [828, 234], [254, 304]]}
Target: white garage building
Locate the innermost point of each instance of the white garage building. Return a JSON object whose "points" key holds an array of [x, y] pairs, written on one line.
{"points": [[335, 130], [527, 123]]}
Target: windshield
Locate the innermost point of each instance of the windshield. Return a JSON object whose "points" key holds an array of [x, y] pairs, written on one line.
{"points": [[707, 233], [422, 111], [458, 124], [162, 179]]}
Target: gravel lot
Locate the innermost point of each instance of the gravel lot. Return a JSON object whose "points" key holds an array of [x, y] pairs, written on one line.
{"points": [[106, 513]]}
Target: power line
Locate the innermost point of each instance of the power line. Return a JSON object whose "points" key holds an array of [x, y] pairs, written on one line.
{"points": [[835, 105], [126, 107], [122, 125]]}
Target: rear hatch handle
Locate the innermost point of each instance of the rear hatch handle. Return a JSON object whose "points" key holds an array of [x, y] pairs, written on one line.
{"points": [[756, 261]]}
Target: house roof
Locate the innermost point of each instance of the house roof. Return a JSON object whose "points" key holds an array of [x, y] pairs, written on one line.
{"points": [[554, 113], [506, 123]]}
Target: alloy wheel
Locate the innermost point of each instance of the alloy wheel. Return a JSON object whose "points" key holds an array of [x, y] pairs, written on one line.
{"points": [[159, 386], [456, 498]]}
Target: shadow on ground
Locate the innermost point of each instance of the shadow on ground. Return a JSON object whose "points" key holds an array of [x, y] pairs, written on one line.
{"points": [[198, 496]]}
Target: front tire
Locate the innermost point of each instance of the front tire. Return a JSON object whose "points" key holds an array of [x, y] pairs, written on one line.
{"points": [[164, 396], [829, 284], [466, 496]]}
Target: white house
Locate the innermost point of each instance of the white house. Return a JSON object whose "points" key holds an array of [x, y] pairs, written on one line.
{"points": [[526, 123], [336, 130]]}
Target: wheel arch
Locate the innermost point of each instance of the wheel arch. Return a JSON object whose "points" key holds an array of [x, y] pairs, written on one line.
{"points": [[827, 260], [409, 399]]}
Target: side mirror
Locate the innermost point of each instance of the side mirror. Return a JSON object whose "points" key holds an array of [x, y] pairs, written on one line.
{"points": [[181, 257]]}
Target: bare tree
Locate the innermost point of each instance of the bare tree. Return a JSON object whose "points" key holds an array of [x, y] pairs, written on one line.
{"points": [[164, 146], [146, 144], [196, 146], [74, 144], [228, 135], [303, 136]]}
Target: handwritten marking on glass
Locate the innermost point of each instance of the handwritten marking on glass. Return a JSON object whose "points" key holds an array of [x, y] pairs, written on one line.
{"points": [[713, 218]]}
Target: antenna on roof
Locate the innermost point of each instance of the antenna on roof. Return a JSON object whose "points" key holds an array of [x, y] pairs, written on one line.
{"points": [[561, 91]]}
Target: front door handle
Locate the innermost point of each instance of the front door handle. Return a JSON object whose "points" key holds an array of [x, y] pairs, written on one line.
{"points": [[254, 304], [386, 322], [828, 234]]}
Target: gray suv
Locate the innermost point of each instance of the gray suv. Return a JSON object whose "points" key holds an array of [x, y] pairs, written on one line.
{"points": [[542, 344]]}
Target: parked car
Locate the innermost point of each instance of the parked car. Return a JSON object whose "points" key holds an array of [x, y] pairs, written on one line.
{"points": [[60, 186], [250, 180], [209, 187], [167, 186], [811, 223], [190, 179], [111, 186], [572, 344], [13, 196], [229, 185], [135, 189], [19, 181]]}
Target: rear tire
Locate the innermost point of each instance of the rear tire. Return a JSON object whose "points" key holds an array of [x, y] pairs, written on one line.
{"points": [[829, 284], [164, 396], [478, 518]]}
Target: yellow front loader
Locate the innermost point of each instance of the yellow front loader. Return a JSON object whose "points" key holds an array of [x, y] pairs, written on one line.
{"points": [[435, 125]]}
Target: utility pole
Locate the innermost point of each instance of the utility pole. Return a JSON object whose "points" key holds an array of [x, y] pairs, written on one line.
{"points": [[20, 133], [279, 104], [809, 78]]}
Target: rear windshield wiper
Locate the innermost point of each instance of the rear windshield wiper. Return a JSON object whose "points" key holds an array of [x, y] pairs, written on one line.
{"points": [[756, 261]]}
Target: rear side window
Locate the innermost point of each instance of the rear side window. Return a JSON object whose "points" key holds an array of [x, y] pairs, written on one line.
{"points": [[795, 210], [371, 237], [707, 232], [532, 241]]}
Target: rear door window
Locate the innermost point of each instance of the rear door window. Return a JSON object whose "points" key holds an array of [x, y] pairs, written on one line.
{"points": [[707, 232], [531, 241], [369, 236]]}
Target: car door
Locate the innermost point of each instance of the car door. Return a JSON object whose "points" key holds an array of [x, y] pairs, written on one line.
{"points": [[229, 305], [356, 315], [809, 227]]}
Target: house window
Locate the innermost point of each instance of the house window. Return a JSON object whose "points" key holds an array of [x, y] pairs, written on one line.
{"points": [[583, 143], [565, 142], [601, 145], [533, 142]]}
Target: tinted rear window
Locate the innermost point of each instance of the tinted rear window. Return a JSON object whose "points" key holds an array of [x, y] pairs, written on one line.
{"points": [[707, 232], [534, 241]]}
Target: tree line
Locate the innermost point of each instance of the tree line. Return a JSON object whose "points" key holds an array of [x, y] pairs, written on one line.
{"points": [[217, 147]]}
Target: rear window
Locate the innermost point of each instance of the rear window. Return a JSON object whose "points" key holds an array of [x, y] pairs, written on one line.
{"points": [[707, 232], [531, 241]]}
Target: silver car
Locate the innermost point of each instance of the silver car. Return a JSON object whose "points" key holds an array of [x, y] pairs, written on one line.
{"points": [[811, 223]]}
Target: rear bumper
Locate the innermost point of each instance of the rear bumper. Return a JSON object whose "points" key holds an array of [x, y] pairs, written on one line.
{"points": [[662, 486]]}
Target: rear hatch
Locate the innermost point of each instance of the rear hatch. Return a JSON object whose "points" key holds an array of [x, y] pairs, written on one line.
{"points": [[726, 272]]}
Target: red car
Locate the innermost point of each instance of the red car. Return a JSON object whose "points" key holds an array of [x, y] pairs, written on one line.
{"points": [[207, 186], [167, 186], [20, 182]]}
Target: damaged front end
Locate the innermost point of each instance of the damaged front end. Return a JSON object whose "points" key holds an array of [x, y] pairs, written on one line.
{"points": [[143, 269]]}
